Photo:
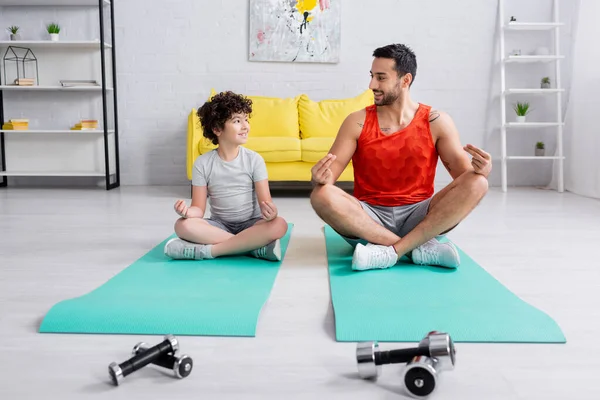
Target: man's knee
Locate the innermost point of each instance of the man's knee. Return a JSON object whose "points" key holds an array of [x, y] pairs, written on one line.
{"points": [[322, 197], [477, 184]]}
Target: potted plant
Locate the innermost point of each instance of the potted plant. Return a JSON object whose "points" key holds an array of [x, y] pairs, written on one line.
{"points": [[14, 32], [53, 30], [522, 109], [539, 149], [545, 84]]}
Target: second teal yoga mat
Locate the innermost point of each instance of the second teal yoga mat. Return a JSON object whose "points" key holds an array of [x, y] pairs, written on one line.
{"points": [[157, 295], [404, 303]]}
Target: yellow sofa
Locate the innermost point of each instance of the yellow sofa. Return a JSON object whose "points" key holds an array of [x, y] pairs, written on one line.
{"points": [[291, 134]]}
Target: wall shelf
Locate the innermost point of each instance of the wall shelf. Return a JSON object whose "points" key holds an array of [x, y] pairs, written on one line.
{"points": [[58, 131], [53, 88], [533, 91], [530, 59], [532, 26], [534, 158], [552, 27], [532, 124], [50, 173], [69, 145], [52, 3], [41, 44]]}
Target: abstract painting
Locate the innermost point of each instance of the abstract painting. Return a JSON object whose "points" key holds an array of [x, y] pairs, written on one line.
{"points": [[295, 30]]}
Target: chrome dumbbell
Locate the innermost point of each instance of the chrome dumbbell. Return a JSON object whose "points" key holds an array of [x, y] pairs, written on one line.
{"points": [[180, 365], [435, 353], [119, 371]]}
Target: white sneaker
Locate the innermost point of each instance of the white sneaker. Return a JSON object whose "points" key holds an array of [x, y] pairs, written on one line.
{"points": [[271, 251], [373, 256], [437, 254], [179, 249]]}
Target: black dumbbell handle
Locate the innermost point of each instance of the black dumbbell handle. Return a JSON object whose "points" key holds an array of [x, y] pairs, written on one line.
{"points": [[165, 361], [399, 356], [142, 359]]}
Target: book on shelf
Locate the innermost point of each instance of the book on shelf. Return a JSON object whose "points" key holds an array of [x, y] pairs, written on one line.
{"points": [[24, 81], [16, 125], [85, 124]]}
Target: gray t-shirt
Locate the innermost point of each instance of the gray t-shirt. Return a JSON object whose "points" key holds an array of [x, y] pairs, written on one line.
{"points": [[230, 184]]}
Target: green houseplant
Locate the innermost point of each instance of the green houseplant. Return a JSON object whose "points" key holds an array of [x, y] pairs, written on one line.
{"points": [[545, 83], [521, 109], [53, 29], [14, 32], [539, 149]]}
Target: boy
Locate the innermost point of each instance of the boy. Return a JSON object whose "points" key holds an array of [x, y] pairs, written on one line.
{"points": [[243, 216]]}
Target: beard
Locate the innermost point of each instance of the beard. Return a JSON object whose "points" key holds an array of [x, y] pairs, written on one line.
{"points": [[388, 98]]}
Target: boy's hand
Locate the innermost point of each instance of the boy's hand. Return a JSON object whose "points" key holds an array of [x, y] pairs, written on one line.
{"points": [[269, 210], [181, 208]]}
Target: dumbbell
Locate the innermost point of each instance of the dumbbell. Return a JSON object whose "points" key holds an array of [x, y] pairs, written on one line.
{"points": [[180, 365], [435, 353], [119, 371]]}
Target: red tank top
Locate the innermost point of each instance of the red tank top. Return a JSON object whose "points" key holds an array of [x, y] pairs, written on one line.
{"points": [[395, 169]]}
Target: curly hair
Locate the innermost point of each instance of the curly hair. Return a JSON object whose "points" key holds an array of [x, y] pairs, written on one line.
{"points": [[215, 112]]}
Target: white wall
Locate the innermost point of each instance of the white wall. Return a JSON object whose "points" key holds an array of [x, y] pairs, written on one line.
{"points": [[171, 53]]}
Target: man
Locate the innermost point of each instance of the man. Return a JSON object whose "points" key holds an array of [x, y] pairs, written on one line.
{"points": [[394, 146]]}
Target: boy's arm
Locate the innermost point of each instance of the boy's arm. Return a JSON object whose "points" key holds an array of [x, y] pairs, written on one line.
{"points": [[196, 210], [261, 186]]}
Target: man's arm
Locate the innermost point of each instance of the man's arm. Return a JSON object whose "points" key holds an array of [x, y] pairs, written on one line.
{"points": [[344, 146], [447, 141]]}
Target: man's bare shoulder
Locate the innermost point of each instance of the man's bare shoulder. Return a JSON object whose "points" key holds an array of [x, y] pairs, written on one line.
{"points": [[441, 123], [354, 122]]}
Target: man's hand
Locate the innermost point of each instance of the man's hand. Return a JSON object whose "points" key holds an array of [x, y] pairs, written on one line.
{"points": [[269, 210], [481, 161], [321, 173]]}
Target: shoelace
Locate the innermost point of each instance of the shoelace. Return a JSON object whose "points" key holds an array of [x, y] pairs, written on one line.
{"points": [[431, 255], [189, 252], [378, 257], [262, 252]]}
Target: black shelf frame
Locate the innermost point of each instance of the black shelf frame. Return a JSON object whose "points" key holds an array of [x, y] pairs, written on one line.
{"points": [[112, 180]]}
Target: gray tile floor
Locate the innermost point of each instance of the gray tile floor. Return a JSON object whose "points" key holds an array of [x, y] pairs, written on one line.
{"points": [[61, 243]]}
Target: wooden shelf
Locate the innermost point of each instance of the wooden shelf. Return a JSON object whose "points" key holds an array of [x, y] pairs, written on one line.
{"points": [[532, 26], [52, 3], [533, 91], [53, 88], [528, 59], [48, 44], [51, 173], [60, 131]]}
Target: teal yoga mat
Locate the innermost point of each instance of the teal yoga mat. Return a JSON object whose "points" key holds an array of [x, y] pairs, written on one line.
{"points": [[404, 303], [157, 295]]}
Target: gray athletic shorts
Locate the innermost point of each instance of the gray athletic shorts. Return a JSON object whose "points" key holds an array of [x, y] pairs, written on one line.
{"points": [[400, 219], [232, 227]]}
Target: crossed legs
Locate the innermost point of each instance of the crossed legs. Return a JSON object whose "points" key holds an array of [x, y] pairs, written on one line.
{"points": [[203, 240], [447, 209]]}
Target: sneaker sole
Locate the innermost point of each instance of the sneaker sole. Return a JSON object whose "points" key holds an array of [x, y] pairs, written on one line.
{"points": [[277, 250], [167, 244]]}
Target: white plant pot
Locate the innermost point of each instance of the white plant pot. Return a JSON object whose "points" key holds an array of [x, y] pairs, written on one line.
{"points": [[545, 85], [54, 37], [15, 36], [539, 152], [520, 118]]}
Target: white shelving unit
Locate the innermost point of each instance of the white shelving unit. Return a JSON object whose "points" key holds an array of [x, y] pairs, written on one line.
{"points": [[97, 151], [557, 91]]}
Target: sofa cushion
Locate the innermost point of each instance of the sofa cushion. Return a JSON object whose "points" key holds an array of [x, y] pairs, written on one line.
{"points": [[272, 149], [272, 116], [315, 148], [324, 118]]}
